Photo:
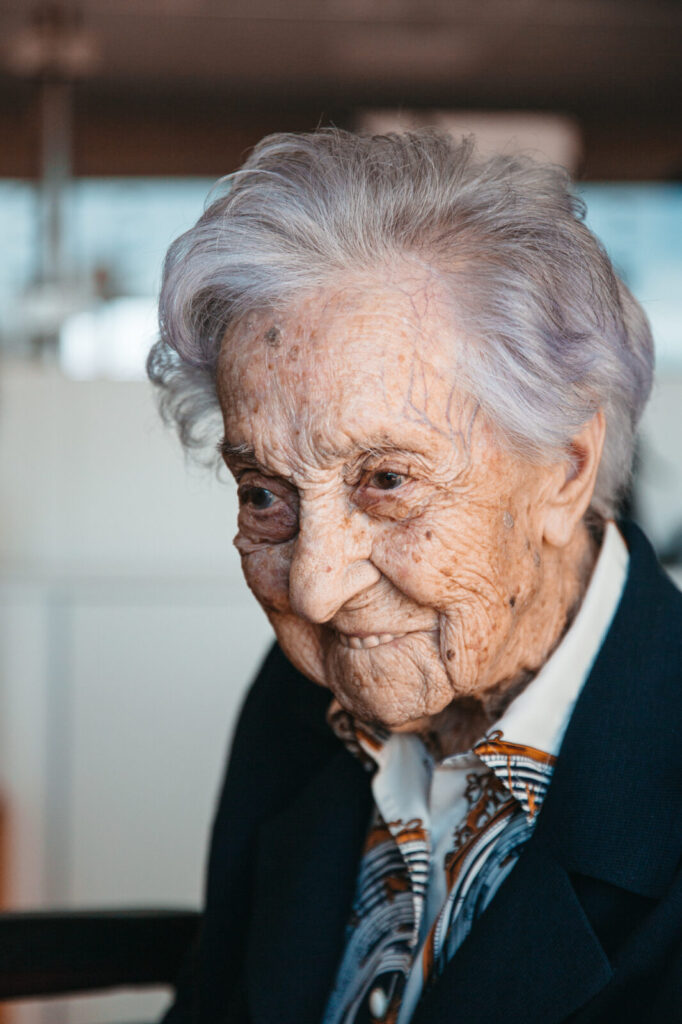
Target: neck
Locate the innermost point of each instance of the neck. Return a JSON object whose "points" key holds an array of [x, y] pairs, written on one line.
{"points": [[565, 580]]}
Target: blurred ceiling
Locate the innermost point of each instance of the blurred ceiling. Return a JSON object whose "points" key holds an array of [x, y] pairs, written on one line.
{"points": [[606, 61], [488, 51]]}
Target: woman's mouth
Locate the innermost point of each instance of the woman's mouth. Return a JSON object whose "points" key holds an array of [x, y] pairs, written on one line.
{"points": [[362, 641], [359, 643]]}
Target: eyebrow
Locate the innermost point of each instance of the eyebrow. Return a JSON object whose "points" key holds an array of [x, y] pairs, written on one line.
{"points": [[241, 452], [377, 446], [244, 453]]}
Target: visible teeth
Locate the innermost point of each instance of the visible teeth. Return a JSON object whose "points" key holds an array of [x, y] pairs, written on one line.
{"points": [[359, 643]]}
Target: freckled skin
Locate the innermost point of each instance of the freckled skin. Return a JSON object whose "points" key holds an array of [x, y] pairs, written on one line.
{"points": [[382, 504]]}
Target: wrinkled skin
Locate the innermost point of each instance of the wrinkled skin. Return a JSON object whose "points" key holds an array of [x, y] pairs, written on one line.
{"points": [[404, 558]]}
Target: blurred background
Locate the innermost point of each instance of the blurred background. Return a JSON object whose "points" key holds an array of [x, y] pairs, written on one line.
{"points": [[126, 635]]}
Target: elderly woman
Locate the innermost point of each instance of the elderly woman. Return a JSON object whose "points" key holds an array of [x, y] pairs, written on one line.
{"points": [[454, 791]]}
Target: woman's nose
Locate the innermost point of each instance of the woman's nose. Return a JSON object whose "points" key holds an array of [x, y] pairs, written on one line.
{"points": [[330, 563]]}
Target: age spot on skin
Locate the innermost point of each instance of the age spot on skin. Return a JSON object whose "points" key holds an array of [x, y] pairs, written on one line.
{"points": [[449, 655], [428, 535], [512, 600], [273, 337]]}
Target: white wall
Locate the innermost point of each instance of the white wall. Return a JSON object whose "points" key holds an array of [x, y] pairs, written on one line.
{"points": [[127, 638], [92, 484]]}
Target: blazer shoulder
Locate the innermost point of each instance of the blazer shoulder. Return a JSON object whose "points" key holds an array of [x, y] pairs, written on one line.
{"points": [[280, 740]]}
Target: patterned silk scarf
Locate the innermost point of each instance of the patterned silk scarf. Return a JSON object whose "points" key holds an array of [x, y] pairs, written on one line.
{"points": [[389, 958]]}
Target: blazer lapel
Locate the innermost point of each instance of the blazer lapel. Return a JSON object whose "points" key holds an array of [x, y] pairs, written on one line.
{"points": [[612, 812], [304, 887], [614, 807], [531, 958]]}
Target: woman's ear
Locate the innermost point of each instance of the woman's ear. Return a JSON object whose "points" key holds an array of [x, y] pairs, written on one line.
{"points": [[573, 489]]}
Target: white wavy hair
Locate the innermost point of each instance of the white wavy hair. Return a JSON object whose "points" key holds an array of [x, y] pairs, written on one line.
{"points": [[552, 334]]}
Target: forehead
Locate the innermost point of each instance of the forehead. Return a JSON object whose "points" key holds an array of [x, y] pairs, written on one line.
{"points": [[354, 360]]}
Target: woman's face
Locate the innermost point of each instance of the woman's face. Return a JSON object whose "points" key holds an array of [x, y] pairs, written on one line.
{"points": [[395, 547]]}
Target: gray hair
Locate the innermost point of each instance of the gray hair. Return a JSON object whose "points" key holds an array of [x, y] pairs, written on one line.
{"points": [[552, 334]]}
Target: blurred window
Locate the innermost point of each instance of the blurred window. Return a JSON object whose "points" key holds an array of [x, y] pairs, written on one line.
{"points": [[18, 245], [641, 227], [119, 229], [116, 234]]}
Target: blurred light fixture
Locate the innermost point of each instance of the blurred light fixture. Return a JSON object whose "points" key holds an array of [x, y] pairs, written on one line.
{"points": [[54, 43], [53, 48]]}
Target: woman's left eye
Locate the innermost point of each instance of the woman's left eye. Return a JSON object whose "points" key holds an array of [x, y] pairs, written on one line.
{"points": [[386, 480]]}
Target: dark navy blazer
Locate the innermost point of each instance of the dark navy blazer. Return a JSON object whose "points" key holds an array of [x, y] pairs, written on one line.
{"points": [[588, 925]]}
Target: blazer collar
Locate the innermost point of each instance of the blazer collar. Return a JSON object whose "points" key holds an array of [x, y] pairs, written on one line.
{"points": [[612, 811], [614, 807]]}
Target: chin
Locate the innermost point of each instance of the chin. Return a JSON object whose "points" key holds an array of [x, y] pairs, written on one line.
{"points": [[363, 681], [408, 708], [405, 721]]}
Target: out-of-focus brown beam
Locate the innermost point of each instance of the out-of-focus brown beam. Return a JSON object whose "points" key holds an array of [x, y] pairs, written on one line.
{"points": [[177, 136], [19, 131], [128, 133], [637, 149]]}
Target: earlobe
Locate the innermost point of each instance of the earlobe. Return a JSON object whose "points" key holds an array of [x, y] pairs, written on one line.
{"points": [[572, 495]]}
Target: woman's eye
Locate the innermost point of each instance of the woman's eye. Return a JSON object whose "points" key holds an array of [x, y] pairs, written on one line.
{"points": [[386, 480], [266, 516], [257, 497]]}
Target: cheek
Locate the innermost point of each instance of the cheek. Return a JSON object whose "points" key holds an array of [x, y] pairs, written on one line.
{"points": [[416, 564], [435, 562], [443, 561], [267, 573]]}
